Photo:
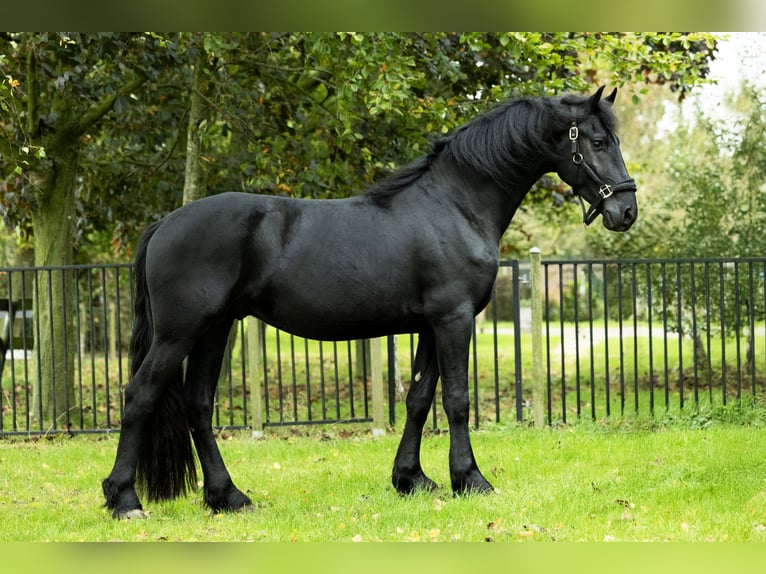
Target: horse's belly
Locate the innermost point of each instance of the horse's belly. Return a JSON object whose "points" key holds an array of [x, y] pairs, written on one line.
{"points": [[327, 310]]}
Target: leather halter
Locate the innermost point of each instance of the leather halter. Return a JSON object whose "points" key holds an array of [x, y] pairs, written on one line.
{"points": [[605, 189]]}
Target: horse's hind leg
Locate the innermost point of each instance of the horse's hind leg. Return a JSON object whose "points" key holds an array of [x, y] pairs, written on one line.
{"points": [[408, 475], [202, 370], [157, 371]]}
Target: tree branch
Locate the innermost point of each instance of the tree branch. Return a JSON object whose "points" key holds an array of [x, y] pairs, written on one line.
{"points": [[105, 105], [33, 93]]}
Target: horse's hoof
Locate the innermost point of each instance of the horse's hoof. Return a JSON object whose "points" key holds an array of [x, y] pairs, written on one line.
{"points": [[246, 509], [134, 514], [231, 500], [405, 486], [473, 484]]}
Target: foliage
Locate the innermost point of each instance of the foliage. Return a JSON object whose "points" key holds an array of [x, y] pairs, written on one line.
{"points": [[717, 171], [309, 115]]}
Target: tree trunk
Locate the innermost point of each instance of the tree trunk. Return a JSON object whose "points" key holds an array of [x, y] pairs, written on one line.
{"points": [[700, 353], [54, 224], [362, 359], [53, 178], [194, 182]]}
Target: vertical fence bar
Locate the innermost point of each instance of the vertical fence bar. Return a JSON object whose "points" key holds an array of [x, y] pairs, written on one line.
{"points": [[350, 379], [91, 336], [591, 352], [694, 334], [737, 333], [607, 394], [26, 337], [538, 379], [293, 378], [546, 318], [681, 333], [495, 358], [621, 337], [516, 282], [562, 345], [723, 330], [576, 291], [4, 351], [708, 335], [750, 349], [322, 381], [634, 297], [475, 361], [310, 414], [762, 314], [651, 336], [80, 313], [666, 368]]}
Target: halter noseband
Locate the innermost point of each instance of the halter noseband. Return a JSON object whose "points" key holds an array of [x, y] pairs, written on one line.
{"points": [[605, 190]]}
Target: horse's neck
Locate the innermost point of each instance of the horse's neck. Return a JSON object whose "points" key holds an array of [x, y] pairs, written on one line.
{"points": [[488, 202]]}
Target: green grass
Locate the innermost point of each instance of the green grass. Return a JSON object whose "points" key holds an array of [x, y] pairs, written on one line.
{"points": [[592, 482]]}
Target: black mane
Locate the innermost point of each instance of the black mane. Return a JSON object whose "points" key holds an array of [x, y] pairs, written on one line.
{"points": [[509, 139]]}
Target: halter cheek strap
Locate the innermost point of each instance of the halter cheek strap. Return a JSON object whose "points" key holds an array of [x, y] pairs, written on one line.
{"points": [[605, 190]]}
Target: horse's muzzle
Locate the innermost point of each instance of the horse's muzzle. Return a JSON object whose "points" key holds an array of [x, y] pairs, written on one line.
{"points": [[617, 216]]}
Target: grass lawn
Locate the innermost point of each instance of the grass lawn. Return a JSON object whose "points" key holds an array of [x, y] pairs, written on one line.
{"points": [[591, 482]]}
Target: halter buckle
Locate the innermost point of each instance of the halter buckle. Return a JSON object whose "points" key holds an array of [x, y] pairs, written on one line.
{"points": [[574, 133], [605, 191]]}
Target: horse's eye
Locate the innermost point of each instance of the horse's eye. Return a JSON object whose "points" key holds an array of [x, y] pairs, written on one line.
{"points": [[598, 144]]}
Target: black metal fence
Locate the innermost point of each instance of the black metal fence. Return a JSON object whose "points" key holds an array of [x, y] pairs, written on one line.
{"points": [[620, 338], [653, 335]]}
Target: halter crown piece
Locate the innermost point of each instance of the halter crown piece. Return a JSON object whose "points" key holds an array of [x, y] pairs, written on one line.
{"points": [[605, 189]]}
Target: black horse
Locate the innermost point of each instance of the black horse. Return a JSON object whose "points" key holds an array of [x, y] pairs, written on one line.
{"points": [[416, 253]]}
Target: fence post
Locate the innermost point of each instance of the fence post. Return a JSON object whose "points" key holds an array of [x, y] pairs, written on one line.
{"points": [[254, 348], [378, 388], [538, 377]]}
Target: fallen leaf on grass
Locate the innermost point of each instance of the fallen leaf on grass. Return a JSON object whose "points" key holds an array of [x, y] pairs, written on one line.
{"points": [[526, 534], [414, 536], [494, 525]]}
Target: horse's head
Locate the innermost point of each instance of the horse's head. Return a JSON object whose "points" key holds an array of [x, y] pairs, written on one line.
{"points": [[591, 161]]}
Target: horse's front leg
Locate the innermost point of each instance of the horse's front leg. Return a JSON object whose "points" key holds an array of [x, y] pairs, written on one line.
{"points": [[408, 475], [453, 338]]}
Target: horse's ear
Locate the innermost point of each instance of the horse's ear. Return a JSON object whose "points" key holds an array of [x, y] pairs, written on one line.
{"points": [[610, 98], [595, 99]]}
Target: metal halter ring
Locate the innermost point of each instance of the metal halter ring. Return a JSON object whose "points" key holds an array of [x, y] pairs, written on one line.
{"points": [[574, 133], [605, 191]]}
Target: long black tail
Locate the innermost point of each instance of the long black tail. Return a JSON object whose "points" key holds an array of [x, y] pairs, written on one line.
{"points": [[166, 465]]}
